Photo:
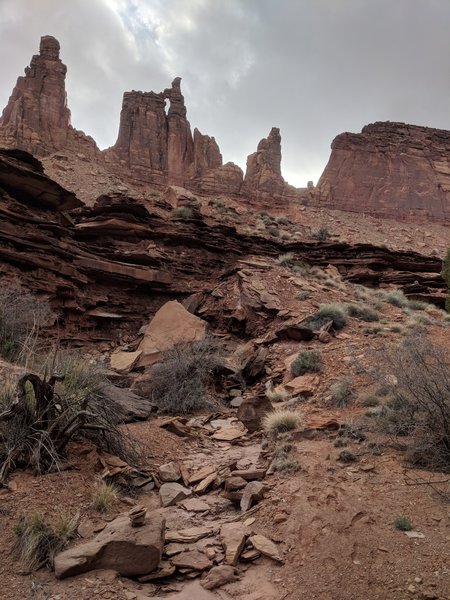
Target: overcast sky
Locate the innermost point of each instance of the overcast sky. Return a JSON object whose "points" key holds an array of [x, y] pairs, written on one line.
{"points": [[314, 68]]}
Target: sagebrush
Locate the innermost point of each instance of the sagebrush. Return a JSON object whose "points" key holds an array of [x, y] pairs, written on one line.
{"points": [[181, 381]]}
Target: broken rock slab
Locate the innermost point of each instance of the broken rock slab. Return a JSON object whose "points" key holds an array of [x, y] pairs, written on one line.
{"points": [[171, 325], [304, 385], [172, 493], [123, 362], [131, 551], [232, 536], [253, 493], [192, 559], [266, 547]]}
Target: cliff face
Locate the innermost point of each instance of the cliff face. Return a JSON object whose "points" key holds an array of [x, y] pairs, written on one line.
{"points": [[36, 117], [391, 170]]}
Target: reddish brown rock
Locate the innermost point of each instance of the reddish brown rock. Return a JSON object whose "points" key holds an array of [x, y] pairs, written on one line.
{"points": [[252, 411], [226, 179], [128, 550], [206, 154], [389, 169], [263, 177], [36, 117]]}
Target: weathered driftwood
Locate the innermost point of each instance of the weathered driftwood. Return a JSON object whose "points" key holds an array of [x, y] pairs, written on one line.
{"points": [[42, 428]]}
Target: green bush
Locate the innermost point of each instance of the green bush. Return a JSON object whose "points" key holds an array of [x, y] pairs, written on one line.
{"points": [[307, 361], [402, 523]]}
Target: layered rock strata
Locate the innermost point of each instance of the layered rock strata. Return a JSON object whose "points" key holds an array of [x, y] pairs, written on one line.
{"points": [[389, 169]]}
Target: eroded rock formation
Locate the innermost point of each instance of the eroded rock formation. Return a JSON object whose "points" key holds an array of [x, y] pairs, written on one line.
{"points": [[389, 169], [36, 118], [263, 178]]}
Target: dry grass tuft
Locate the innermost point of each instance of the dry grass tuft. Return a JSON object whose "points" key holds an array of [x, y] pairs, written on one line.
{"points": [[104, 496], [280, 421]]}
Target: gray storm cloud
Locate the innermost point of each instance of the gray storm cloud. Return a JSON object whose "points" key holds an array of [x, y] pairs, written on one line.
{"points": [[314, 68]]}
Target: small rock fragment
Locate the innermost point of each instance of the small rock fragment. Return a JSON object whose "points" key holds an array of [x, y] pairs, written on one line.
{"points": [[219, 576], [172, 493], [266, 547]]}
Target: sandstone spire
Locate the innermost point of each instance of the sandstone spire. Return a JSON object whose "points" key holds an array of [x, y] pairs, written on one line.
{"points": [[263, 174], [36, 117]]}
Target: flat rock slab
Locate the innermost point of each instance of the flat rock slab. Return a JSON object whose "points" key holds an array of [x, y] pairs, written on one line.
{"points": [[124, 361], [228, 434], [305, 385], [131, 551], [266, 547], [191, 534], [192, 559], [219, 576], [172, 493], [195, 505], [232, 536]]}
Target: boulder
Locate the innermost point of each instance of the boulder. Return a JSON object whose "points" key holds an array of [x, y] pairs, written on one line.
{"points": [[131, 551], [130, 406], [172, 493], [252, 411], [169, 472], [171, 325]]}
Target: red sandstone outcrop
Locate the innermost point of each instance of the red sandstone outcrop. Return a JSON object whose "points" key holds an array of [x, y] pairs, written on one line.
{"points": [[36, 118], [263, 179], [389, 169]]}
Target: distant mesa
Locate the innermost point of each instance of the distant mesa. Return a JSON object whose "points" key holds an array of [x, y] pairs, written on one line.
{"points": [[389, 169]]}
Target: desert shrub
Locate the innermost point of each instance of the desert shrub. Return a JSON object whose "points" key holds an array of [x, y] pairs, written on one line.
{"points": [[22, 317], [273, 231], [303, 295], [180, 382], [182, 212], [44, 414], [217, 203], [280, 421], [277, 394], [418, 377], [335, 313], [369, 400], [341, 392], [363, 313], [396, 298], [285, 464], [104, 496], [402, 523], [322, 234], [38, 542], [307, 361], [396, 328], [282, 220], [286, 260], [417, 305]]}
